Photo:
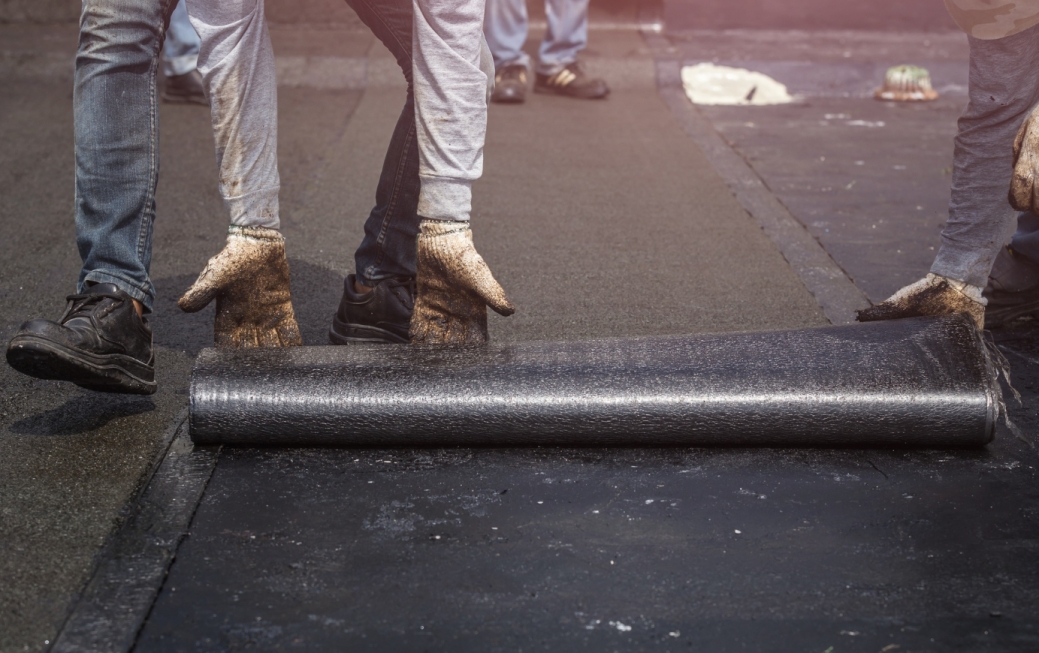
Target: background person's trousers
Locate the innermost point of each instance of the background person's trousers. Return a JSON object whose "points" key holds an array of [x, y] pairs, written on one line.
{"points": [[1003, 88], [506, 25], [180, 54]]}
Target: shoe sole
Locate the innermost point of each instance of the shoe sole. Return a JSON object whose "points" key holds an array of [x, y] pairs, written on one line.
{"points": [[343, 333], [44, 359]]}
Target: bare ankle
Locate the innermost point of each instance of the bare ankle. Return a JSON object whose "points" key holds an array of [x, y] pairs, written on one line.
{"points": [[360, 288]]}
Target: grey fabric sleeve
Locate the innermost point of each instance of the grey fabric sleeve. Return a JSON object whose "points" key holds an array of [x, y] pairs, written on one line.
{"points": [[237, 65], [450, 104]]}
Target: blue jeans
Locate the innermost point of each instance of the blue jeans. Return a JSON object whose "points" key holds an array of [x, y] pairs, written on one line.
{"points": [[116, 118], [388, 248], [180, 56], [505, 25]]}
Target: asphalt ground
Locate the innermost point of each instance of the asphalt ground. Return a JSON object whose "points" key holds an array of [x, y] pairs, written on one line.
{"points": [[599, 219]]}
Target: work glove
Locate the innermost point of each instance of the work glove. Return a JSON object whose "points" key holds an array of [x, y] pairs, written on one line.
{"points": [[1024, 185], [250, 281], [454, 287], [932, 295]]}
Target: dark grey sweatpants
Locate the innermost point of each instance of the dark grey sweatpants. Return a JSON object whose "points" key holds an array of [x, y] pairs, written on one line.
{"points": [[1003, 88]]}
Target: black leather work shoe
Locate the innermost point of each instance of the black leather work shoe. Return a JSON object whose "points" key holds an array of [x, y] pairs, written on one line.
{"points": [[510, 85], [100, 343], [1012, 290], [185, 89], [383, 314], [571, 82]]}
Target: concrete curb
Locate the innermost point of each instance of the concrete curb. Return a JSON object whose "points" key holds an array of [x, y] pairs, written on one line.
{"points": [[133, 564]]}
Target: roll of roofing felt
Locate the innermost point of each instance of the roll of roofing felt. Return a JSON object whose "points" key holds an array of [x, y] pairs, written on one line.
{"points": [[925, 382]]}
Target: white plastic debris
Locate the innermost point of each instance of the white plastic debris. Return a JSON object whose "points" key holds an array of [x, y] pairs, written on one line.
{"points": [[707, 83]]}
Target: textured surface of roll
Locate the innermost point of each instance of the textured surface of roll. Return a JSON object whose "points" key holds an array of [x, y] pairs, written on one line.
{"points": [[916, 382]]}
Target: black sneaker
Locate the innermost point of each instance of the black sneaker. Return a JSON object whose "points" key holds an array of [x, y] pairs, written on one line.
{"points": [[1012, 290], [510, 85], [100, 343], [185, 89], [571, 82], [383, 314]]}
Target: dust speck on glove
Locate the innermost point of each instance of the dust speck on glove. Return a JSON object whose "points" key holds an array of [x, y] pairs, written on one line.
{"points": [[249, 279], [454, 287], [932, 295]]}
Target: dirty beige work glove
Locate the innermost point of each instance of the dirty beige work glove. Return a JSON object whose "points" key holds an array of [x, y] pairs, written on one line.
{"points": [[454, 287], [932, 295], [250, 281], [1024, 185]]}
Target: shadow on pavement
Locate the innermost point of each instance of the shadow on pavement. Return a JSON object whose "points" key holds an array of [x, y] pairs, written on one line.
{"points": [[82, 413]]}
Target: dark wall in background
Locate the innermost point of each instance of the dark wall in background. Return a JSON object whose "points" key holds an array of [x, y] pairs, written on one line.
{"points": [[908, 15], [905, 15]]}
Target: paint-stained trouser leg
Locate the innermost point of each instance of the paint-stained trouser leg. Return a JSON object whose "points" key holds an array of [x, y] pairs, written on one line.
{"points": [[450, 104], [1003, 88], [116, 120], [237, 66]]}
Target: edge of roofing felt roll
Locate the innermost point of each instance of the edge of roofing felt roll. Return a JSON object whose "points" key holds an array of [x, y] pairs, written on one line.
{"points": [[326, 429]]}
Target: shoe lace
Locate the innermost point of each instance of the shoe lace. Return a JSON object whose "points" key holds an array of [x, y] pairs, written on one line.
{"points": [[408, 283], [84, 303]]}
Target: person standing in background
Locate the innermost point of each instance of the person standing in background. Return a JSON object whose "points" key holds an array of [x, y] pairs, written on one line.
{"points": [[557, 71], [180, 61]]}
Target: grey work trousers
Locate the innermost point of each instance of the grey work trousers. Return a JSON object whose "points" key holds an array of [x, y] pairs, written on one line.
{"points": [[1003, 88], [450, 104], [237, 65]]}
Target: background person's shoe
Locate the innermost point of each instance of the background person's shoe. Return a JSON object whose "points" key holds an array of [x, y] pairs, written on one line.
{"points": [[383, 314], [510, 85], [572, 82], [185, 89], [100, 343], [1012, 290]]}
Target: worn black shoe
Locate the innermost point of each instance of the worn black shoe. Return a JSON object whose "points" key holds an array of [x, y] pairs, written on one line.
{"points": [[100, 343], [571, 82], [185, 89], [1012, 290], [510, 85], [383, 314]]}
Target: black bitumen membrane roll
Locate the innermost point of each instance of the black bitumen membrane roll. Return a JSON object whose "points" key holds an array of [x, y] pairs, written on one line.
{"points": [[921, 382]]}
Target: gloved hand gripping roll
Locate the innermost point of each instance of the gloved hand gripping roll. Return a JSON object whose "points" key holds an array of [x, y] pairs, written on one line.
{"points": [[454, 287], [249, 279], [932, 295]]}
